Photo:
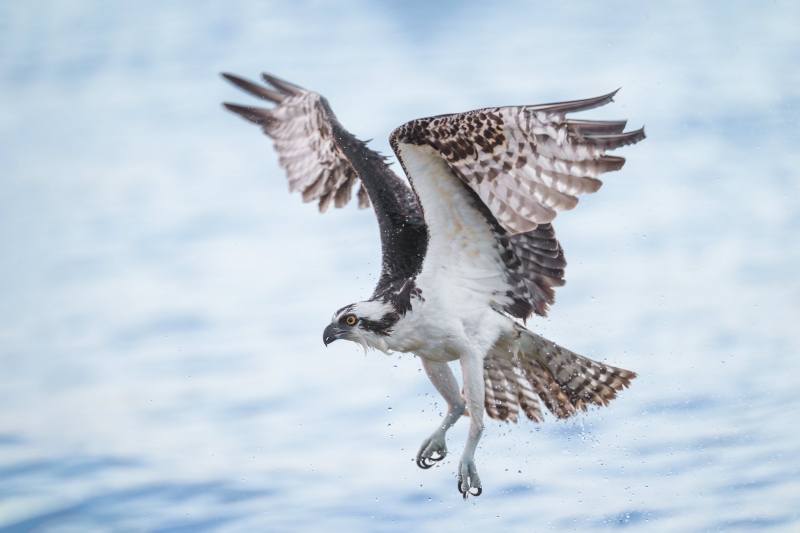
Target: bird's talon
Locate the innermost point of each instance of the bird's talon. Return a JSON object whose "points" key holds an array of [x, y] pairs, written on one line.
{"points": [[432, 451], [423, 463], [427, 462], [469, 484]]}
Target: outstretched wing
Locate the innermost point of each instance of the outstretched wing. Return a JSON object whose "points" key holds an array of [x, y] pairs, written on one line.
{"points": [[525, 162], [524, 368], [519, 165], [324, 161], [300, 125]]}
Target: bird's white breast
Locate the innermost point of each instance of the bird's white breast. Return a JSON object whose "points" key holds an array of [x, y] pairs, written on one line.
{"points": [[462, 279]]}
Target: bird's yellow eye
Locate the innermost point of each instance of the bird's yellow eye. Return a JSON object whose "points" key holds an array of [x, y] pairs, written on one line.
{"points": [[351, 320]]}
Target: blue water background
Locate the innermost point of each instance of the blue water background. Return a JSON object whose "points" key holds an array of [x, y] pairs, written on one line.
{"points": [[162, 296]]}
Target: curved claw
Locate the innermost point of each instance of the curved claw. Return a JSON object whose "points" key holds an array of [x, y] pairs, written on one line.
{"points": [[478, 490], [468, 481], [427, 462]]}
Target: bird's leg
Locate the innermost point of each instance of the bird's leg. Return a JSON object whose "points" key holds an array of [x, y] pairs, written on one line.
{"points": [[433, 448], [468, 480]]}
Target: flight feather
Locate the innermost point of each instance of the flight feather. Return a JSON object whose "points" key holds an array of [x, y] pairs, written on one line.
{"points": [[324, 161], [300, 125], [526, 163]]}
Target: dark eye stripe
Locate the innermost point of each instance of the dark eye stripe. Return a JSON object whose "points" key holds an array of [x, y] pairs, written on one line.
{"points": [[382, 326]]}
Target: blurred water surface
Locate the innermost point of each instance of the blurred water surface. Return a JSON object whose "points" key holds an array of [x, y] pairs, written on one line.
{"points": [[162, 296]]}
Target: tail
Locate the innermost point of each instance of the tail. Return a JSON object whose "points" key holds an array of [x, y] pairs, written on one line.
{"points": [[523, 368]]}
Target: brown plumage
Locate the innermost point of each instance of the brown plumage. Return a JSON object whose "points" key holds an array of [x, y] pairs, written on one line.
{"points": [[300, 125], [526, 163], [525, 367]]}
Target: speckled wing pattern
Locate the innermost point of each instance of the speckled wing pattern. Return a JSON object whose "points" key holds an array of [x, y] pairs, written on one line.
{"points": [[524, 368], [300, 125], [526, 163], [323, 161]]}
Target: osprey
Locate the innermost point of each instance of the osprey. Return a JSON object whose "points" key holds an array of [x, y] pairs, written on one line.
{"points": [[468, 251]]}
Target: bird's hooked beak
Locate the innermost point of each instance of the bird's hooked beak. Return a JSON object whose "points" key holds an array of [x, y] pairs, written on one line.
{"points": [[332, 332]]}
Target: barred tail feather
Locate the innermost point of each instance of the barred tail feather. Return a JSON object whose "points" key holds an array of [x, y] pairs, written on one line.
{"points": [[525, 368]]}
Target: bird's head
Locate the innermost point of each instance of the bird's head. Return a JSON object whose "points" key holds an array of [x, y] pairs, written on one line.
{"points": [[365, 323]]}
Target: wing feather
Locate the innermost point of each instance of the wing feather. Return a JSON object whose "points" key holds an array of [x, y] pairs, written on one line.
{"points": [[300, 125], [575, 105], [255, 115], [523, 164], [323, 162], [565, 382], [599, 127], [255, 89], [613, 141], [526, 163]]}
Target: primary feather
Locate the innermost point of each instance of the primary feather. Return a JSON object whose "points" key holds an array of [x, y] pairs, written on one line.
{"points": [[300, 125], [526, 163]]}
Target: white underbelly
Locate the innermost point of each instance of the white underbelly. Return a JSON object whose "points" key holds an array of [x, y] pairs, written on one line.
{"points": [[440, 334], [462, 279]]}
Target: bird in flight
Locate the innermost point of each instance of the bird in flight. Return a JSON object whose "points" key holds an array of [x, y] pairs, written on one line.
{"points": [[468, 251]]}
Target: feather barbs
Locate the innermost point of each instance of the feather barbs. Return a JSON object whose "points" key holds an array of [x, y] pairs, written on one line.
{"points": [[526, 163], [300, 125]]}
